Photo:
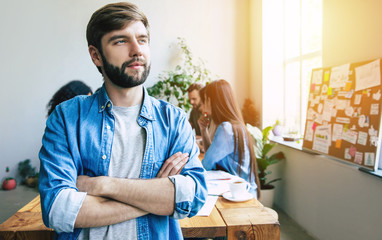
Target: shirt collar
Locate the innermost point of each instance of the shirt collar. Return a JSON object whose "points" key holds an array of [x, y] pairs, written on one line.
{"points": [[146, 110]]}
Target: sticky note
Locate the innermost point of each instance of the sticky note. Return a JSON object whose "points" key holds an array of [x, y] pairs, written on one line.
{"points": [[330, 91], [346, 127], [326, 76], [352, 151], [338, 143], [313, 87], [314, 126], [348, 86]]}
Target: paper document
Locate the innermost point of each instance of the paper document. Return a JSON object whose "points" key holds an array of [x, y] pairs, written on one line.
{"points": [[217, 182], [208, 206]]}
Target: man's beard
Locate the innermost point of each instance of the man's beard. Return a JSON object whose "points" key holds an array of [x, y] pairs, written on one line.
{"points": [[120, 78], [197, 107]]}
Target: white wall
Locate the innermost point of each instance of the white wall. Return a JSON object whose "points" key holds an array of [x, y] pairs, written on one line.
{"points": [[43, 46], [331, 199]]}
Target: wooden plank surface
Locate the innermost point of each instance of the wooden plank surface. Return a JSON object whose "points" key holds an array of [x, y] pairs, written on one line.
{"points": [[250, 223], [201, 226]]}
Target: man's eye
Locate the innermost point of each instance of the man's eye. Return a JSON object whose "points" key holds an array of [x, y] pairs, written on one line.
{"points": [[120, 42], [143, 41]]}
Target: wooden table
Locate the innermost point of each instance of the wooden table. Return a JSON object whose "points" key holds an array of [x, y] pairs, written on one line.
{"points": [[246, 220]]}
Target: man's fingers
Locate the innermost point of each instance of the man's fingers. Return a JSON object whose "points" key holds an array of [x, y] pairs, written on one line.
{"points": [[170, 167], [167, 162], [182, 164]]}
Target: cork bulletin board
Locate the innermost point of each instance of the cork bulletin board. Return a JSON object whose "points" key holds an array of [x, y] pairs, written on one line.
{"points": [[344, 113]]}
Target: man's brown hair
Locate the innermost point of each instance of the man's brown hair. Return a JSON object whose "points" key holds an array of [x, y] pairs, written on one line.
{"points": [[194, 86], [112, 17]]}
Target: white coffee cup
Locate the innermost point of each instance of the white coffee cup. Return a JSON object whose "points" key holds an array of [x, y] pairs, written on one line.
{"points": [[238, 188]]}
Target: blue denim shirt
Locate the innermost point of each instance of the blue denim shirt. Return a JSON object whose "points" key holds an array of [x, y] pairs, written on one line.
{"points": [[220, 156], [78, 141]]}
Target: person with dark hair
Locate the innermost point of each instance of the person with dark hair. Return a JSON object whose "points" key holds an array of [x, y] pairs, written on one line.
{"points": [[194, 98], [231, 149], [119, 164], [68, 91]]}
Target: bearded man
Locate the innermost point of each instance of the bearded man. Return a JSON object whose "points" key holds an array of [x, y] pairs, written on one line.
{"points": [[119, 164]]}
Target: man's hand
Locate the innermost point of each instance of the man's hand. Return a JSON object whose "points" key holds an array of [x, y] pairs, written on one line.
{"points": [[173, 165]]}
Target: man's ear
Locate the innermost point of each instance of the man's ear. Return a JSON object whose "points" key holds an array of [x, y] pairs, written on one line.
{"points": [[95, 55]]}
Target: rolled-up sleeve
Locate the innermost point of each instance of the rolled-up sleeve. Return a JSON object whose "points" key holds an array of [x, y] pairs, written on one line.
{"points": [[64, 210], [184, 195]]}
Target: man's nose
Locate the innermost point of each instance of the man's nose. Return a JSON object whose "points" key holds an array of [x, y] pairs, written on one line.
{"points": [[135, 49]]}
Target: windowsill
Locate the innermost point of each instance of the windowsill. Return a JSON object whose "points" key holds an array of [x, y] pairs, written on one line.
{"points": [[293, 144], [298, 146]]}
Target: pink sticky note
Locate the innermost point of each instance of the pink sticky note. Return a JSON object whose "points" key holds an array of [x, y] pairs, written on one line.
{"points": [[313, 87], [314, 126], [352, 151]]}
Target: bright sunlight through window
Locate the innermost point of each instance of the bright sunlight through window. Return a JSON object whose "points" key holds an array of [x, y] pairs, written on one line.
{"points": [[292, 42]]}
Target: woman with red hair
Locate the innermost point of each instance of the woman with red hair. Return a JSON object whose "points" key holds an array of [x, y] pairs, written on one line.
{"points": [[232, 148]]}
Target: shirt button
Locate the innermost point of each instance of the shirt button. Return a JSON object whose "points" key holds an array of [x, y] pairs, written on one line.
{"points": [[108, 127], [104, 157], [102, 107], [108, 105]]}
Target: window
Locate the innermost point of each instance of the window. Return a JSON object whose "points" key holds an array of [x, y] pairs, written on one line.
{"points": [[292, 42]]}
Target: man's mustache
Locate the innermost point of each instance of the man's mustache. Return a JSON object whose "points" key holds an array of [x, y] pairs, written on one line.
{"points": [[135, 59]]}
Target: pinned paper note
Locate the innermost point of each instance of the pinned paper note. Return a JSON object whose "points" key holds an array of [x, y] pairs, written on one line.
{"points": [[358, 157], [324, 89], [337, 131], [349, 94], [317, 76], [374, 109], [362, 138], [349, 111], [368, 75], [339, 76], [313, 87], [347, 155], [319, 109], [357, 99], [343, 120], [377, 95], [361, 121], [374, 141], [322, 139], [372, 131], [309, 131], [350, 136], [369, 158]]}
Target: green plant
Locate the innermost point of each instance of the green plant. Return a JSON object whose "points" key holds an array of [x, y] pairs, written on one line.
{"points": [[26, 170], [172, 85], [262, 147]]}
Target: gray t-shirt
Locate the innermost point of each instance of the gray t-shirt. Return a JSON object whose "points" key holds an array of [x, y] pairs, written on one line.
{"points": [[126, 160]]}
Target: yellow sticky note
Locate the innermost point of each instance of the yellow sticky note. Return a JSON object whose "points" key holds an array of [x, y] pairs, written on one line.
{"points": [[348, 86], [330, 91], [346, 127], [338, 143], [326, 76]]}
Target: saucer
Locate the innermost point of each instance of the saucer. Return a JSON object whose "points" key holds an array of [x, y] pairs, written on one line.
{"points": [[244, 197]]}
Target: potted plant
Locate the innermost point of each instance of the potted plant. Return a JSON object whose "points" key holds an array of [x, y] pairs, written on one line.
{"points": [[28, 174], [172, 85], [9, 183], [262, 147]]}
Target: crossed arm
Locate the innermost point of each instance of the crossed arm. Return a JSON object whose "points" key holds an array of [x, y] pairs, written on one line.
{"points": [[113, 200]]}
